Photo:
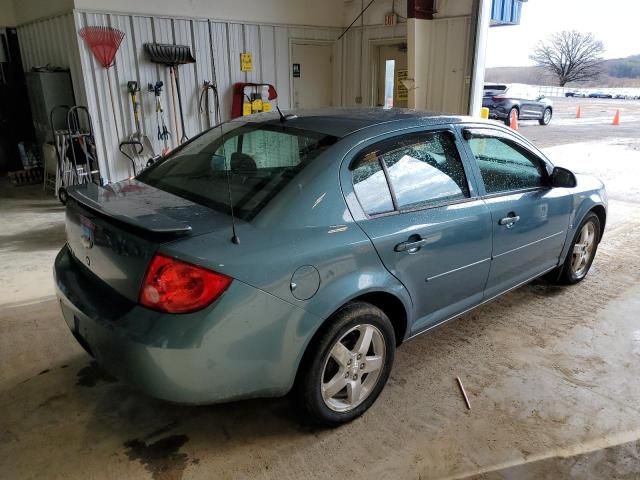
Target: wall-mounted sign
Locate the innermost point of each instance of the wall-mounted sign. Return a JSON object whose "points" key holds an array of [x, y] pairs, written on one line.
{"points": [[296, 70], [390, 19], [246, 63], [402, 92]]}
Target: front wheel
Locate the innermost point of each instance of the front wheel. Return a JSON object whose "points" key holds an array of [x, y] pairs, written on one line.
{"points": [[347, 366], [546, 117], [582, 252]]}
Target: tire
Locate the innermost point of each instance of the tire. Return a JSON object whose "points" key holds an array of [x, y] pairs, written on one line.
{"points": [[63, 195], [568, 274], [507, 120], [321, 369], [546, 117]]}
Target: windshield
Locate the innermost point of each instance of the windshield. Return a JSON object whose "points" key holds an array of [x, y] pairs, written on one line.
{"points": [[257, 161]]}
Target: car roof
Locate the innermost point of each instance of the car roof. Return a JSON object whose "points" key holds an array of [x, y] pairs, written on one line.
{"points": [[340, 122]]}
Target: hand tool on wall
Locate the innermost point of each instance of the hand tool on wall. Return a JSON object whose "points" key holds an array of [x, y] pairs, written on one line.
{"points": [[104, 43], [163, 131], [172, 56], [147, 150], [204, 102], [132, 149]]}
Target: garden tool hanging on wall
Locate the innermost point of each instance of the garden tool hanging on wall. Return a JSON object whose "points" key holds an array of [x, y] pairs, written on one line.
{"points": [[172, 56], [147, 150], [204, 103], [163, 131], [104, 43]]}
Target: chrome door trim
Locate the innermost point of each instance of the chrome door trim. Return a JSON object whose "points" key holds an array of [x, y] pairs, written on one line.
{"points": [[453, 317], [528, 244], [428, 279]]}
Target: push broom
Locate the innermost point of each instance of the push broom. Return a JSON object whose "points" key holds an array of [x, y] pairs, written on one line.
{"points": [[104, 43]]}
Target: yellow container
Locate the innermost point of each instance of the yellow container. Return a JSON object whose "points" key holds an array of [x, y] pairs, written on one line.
{"points": [[484, 113]]}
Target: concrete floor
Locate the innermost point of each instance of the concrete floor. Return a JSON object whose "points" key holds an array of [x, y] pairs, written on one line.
{"points": [[552, 373]]}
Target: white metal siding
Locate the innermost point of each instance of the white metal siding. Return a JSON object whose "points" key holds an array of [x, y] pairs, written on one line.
{"points": [[53, 41], [449, 65], [216, 46]]}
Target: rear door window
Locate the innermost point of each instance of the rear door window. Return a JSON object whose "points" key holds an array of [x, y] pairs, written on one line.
{"points": [[422, 170], [370, 185], [427, 173]]}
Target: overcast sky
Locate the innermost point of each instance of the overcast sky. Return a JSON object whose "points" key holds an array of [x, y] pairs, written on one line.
{"points": [[615, 22]]}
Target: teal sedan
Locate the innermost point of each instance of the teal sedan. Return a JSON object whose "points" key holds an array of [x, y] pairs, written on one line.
{"points": [[276, 254]]}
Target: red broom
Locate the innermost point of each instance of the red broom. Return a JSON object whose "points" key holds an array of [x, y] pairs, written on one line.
{"points": [[104, 43]]}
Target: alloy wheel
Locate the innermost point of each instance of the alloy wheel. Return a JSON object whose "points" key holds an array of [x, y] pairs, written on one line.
{"points": [[583, 250], [353, 367]]}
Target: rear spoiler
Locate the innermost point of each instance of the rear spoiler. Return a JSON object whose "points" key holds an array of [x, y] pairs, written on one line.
{"points": [[105, 201]]}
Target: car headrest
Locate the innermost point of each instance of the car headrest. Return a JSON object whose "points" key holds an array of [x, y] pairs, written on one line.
{"points": [[242, 163]]}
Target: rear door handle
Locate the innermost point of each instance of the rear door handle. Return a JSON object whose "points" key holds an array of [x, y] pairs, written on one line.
{"points": [[410, 246], [509, 221]]}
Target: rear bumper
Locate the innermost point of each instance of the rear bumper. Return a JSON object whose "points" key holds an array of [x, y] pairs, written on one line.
{"points": [[247, 344], [497, 113]]}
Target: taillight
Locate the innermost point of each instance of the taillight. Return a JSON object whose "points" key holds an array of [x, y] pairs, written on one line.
{"points": [[175, 286]]}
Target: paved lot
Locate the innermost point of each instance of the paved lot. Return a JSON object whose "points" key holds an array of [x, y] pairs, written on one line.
{"points": [[552, 372]]}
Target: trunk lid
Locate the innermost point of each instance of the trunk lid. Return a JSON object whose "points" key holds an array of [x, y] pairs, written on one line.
{"points": [[114, 231]]}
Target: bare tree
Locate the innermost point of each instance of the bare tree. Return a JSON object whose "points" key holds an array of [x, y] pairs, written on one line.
{"points": [[570, 56]]}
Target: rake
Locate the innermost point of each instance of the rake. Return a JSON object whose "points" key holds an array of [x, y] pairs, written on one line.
{"points": [[104, 43]]}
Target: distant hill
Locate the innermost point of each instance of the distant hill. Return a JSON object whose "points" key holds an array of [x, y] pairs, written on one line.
{"points": [[618, 72]]}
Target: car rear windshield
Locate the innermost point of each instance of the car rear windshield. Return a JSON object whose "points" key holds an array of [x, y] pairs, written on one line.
{"points": [[490, 90], [250, 163]]}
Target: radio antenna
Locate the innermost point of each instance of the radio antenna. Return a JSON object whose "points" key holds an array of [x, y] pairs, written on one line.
{"points": [[234, 239]]}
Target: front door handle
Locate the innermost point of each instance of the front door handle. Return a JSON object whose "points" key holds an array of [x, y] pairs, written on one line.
{"points": [[509, 221], [411, 245]]}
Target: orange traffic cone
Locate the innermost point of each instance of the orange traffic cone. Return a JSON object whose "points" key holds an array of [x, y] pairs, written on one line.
{"points": [[616, 118], [513, 120], [578, 113]]}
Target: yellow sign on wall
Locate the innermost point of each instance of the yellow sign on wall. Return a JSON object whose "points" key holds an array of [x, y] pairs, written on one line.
{"points": [[402, 92], [246, 63]]}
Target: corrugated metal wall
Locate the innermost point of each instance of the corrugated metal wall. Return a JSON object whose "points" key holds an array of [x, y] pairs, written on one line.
{"points": [[450, 65], [53, 41], [216, 46]]}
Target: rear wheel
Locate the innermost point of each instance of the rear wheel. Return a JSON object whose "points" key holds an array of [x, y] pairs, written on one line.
{"points": [[347, 366], [582, 252], [546, 117], [507, 120]]}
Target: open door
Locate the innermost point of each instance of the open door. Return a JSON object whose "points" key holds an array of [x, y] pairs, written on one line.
{"points": [[392, 69]]}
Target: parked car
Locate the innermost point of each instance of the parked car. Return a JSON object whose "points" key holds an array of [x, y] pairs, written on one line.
{"points": [[599, 95], [569, 94], [525, 101], [580, 95], [298, 252], [620, 96]]}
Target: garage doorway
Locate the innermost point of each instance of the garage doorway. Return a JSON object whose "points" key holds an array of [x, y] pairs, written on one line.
{"points": [[390, 69], [312, 74]]}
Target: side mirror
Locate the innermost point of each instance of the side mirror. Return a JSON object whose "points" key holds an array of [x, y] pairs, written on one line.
{"points": [[563, 178], [540, 97]]}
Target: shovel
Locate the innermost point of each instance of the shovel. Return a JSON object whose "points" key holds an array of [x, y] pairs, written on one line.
{"points": [[172, 56]]}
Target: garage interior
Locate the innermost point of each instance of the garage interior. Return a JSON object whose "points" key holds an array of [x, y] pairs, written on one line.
{"points": [[551, 372]]}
